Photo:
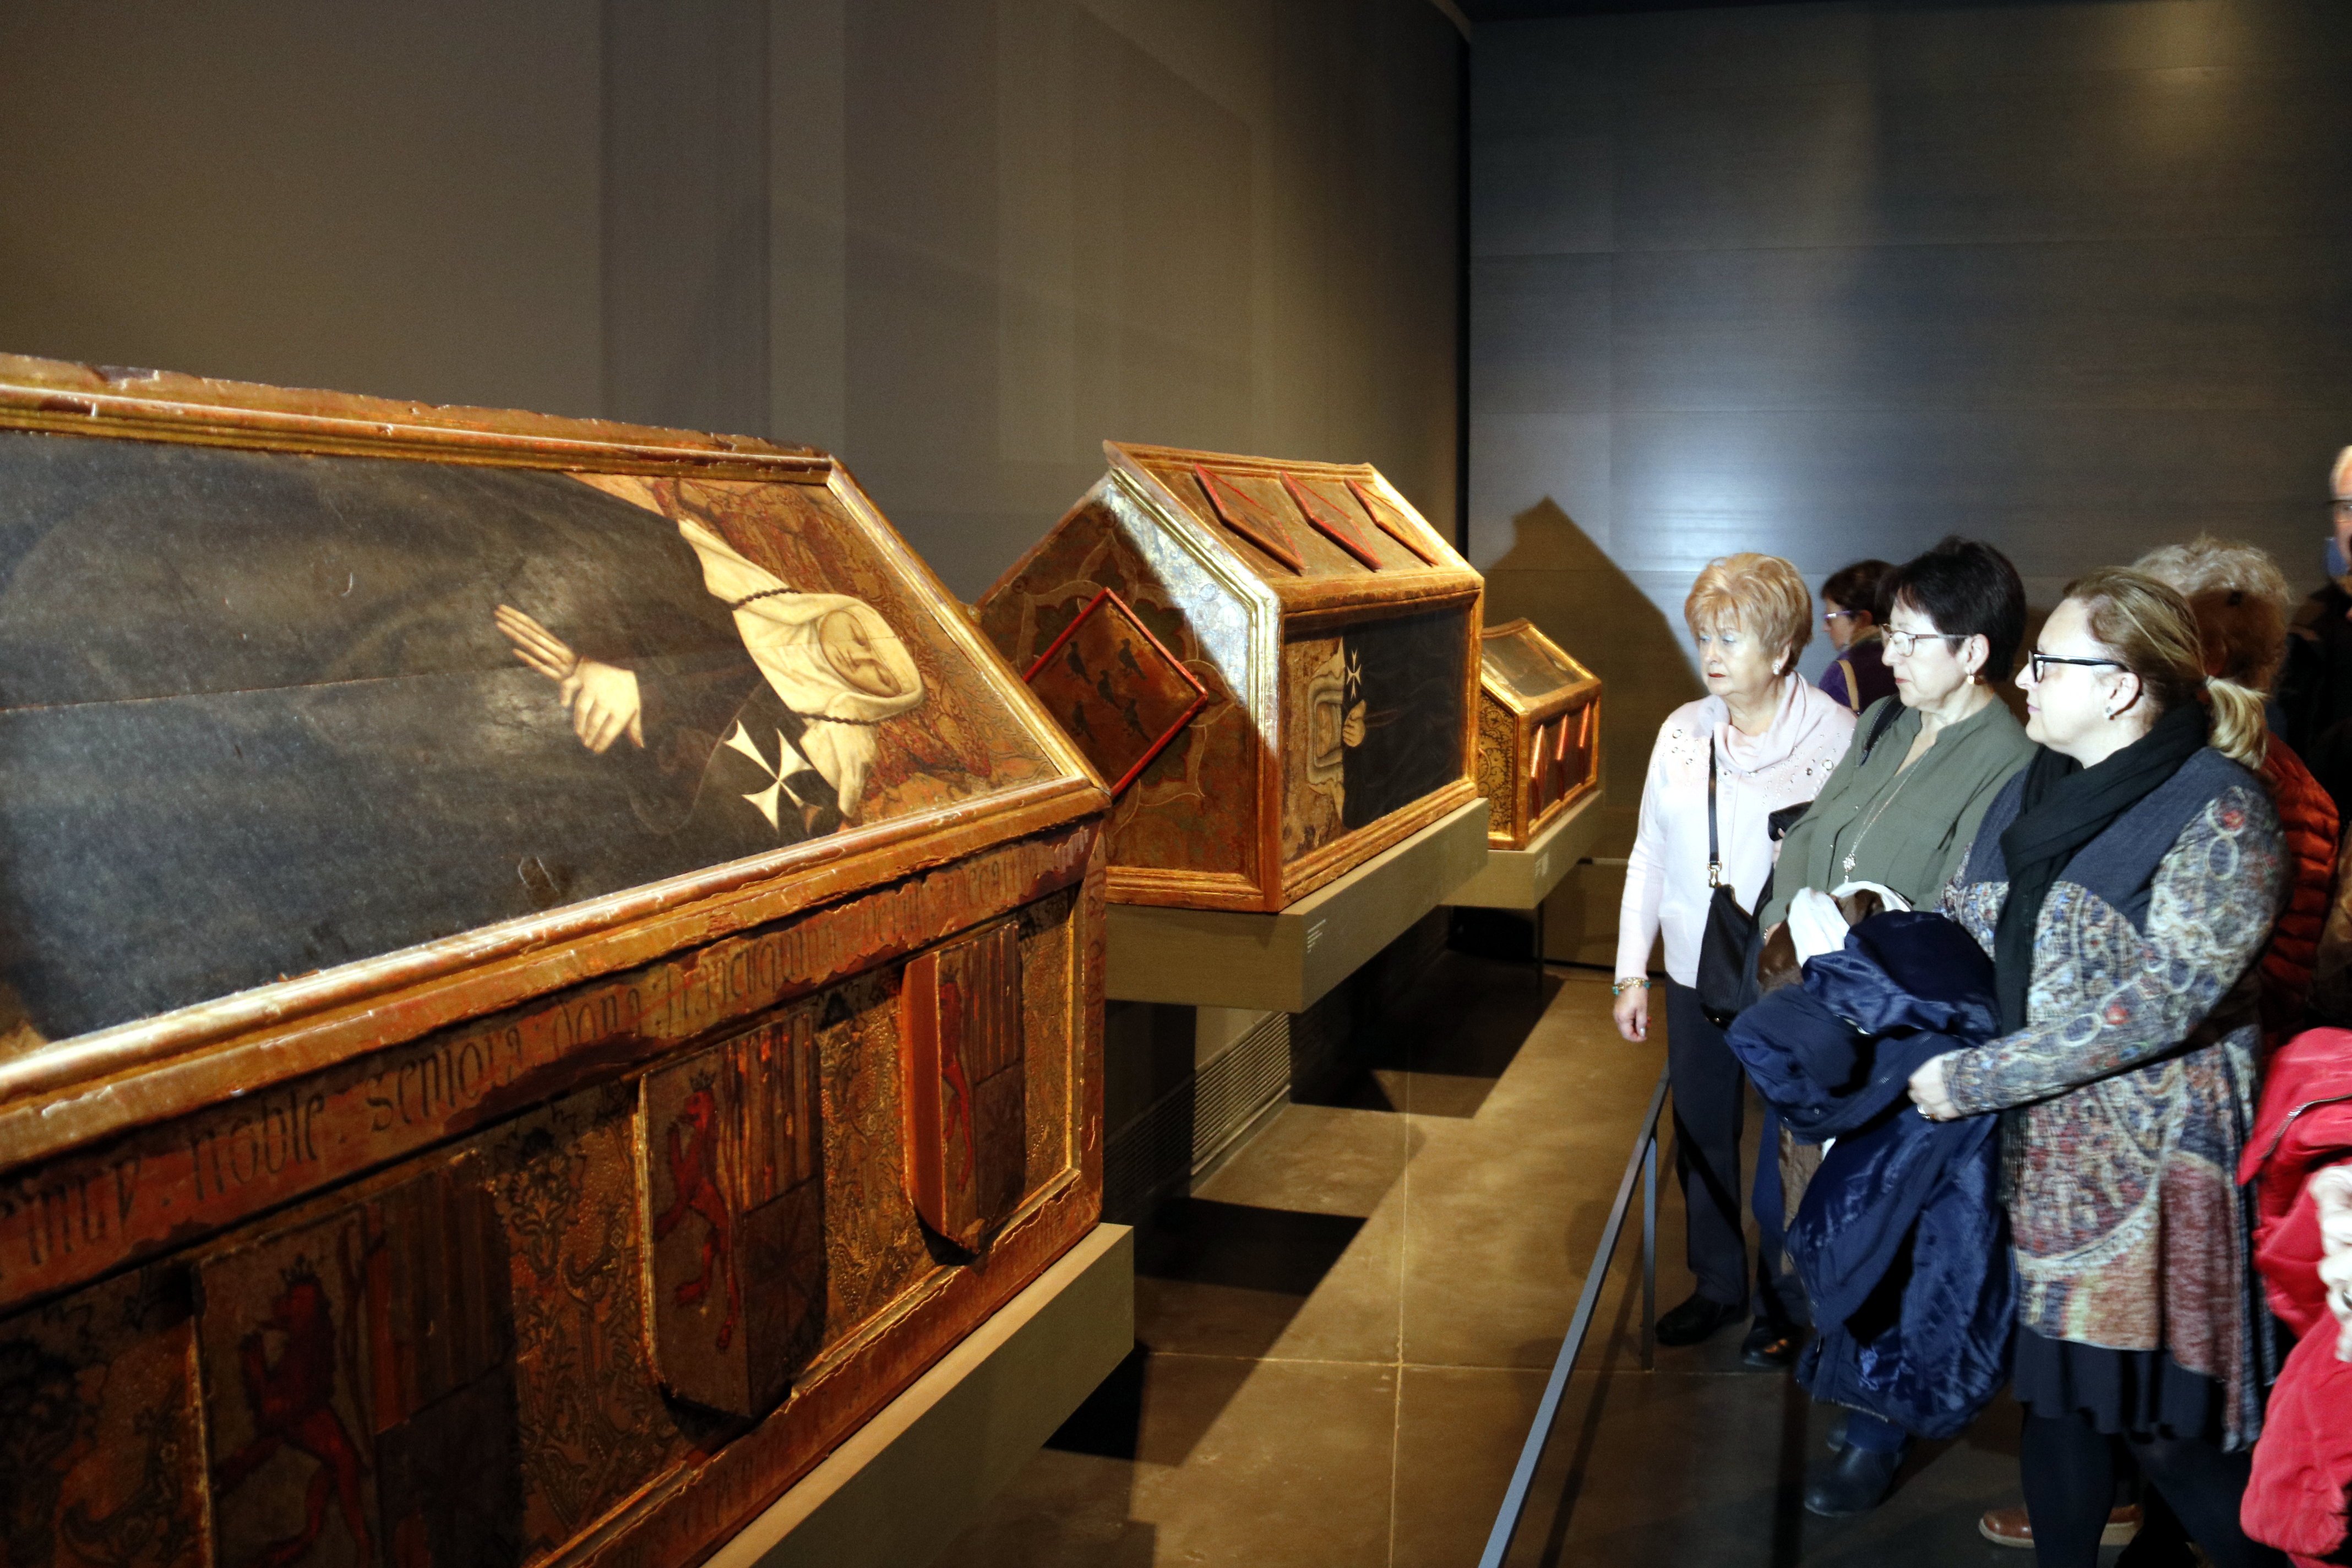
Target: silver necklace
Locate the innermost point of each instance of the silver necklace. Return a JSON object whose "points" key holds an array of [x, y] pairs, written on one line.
{"points": [[1901, 778]]}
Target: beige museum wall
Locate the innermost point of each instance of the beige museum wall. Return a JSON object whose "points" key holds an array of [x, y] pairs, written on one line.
{"points": [[958, 244]]}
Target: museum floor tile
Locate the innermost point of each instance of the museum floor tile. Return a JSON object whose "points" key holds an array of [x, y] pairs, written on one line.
{"points": [[1342, 1336]]}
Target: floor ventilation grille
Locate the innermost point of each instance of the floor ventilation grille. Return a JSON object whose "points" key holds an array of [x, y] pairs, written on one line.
{"points": [[1184, 1132]]}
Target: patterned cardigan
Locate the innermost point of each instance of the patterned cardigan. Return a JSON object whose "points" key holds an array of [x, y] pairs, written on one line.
{"points": [[2130, 1090]]}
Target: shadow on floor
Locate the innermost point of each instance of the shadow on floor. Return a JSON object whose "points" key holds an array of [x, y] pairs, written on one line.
{"points": [[1285, 1251], [1243, 1270], [1344, 1341], [1441, 1052], [1109, 1425]]}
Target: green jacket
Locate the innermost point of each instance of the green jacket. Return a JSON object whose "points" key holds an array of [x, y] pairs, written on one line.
{"points": [[1930, 816]]}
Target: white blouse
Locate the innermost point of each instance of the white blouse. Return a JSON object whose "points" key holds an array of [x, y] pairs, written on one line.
{"points": [[1665, 878]]}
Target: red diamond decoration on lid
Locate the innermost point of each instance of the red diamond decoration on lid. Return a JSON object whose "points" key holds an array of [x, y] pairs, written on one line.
{"points": [[1329, 521], [1116, 688], [1394, 526], [1246, 517]]}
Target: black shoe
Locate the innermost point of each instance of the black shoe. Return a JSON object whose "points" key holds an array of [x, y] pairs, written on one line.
{"points": [[1698, 1318], [1856, 1481], [1771, 1346]]}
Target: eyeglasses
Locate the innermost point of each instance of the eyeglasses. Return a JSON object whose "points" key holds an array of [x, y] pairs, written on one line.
{"points": [[1907, 643], [1841, 615], [2038, 662]]}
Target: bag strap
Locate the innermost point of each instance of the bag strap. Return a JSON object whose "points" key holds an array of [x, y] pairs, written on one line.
{"points": [[1853, 687], [1714, 854], [1884, 722]]}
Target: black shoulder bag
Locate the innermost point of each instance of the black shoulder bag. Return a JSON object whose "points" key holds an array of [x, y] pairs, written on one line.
{"points": [[1733, 942], [1727, 967]]}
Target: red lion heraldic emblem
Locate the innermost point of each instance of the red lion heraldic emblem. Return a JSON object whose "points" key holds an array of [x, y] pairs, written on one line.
{"points": [[731, 1166], [966, 1120], [291, 1401], [694, 1178], [361, 1387]]}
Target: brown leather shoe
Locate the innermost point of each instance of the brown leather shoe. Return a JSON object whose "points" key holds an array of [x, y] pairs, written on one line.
{"points": [[2010, 1527]]}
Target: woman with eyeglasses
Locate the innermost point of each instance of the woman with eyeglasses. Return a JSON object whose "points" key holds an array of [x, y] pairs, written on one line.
{"points": [[1762, 740], [1899, 811], [2125, 884], [2240, 599], [1854, 609]]}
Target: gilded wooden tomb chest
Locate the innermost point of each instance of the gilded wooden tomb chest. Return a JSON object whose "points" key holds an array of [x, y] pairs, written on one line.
{"points": [[1539, 733], [1272, 663], [548, 972]]}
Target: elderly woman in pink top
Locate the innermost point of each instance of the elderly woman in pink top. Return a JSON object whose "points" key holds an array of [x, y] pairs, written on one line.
{"points": [[1774, 738]]}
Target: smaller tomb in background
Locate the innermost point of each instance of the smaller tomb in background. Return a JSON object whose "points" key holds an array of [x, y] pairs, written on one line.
{"points": [[1539, 733], [1273, 663]]}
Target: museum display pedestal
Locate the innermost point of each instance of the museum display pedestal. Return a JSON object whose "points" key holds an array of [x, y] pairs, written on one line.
{"points": [[910, 1480], [1521, 880], [1285, 960], [1524, 879]]}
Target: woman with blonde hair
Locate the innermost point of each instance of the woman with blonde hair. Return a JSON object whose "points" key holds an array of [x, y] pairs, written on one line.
{"points": [[2239, 598], [2125, 884], [1762, 740]]}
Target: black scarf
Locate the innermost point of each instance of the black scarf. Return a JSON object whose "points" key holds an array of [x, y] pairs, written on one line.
{"points": [[2065, 807]]}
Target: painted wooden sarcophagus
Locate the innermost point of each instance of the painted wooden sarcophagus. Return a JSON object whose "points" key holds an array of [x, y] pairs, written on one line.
{"points": [[1273, 664], [1539, 733], [548, 971]]}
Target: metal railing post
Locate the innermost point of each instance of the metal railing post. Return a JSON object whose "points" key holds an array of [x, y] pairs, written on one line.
{"points": [[1650, 1251], [1642, 1162]]}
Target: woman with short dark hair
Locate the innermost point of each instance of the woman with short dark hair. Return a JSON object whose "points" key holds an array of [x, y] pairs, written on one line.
{"points": [[1854, 609], [1898, 813]]}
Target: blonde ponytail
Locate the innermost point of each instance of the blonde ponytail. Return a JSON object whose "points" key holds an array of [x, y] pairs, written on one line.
{"points": [[2149, 627], [2241, 731]]}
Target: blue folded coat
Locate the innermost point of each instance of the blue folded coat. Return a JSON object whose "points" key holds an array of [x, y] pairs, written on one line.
{"points": [[1901, 1239]]}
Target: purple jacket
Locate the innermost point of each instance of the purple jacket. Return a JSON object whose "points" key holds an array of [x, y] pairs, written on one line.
{"points": [[1868, 659]]}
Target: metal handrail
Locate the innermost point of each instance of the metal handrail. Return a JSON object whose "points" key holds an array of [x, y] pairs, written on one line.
{"points": [[1643, 1159]]}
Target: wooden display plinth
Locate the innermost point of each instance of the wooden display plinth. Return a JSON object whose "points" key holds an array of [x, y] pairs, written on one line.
{"points": [[1286, 960], [918, 1473], [1524, 879]]}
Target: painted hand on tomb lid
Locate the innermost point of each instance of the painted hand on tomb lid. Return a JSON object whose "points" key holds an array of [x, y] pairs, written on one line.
{"points": [[604, 699]]}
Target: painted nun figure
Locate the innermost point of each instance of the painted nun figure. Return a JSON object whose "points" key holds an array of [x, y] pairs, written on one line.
{"points": [[831, 669], [262, 714]]}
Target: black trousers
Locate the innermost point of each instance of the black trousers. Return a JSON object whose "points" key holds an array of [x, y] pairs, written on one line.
{"points": [[2069, 1469], [1709, 1089]]}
